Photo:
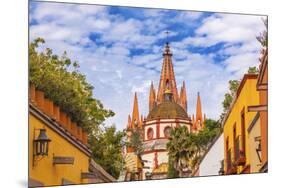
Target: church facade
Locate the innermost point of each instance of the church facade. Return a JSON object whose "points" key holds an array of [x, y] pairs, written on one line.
{"points": [[167, 110]]}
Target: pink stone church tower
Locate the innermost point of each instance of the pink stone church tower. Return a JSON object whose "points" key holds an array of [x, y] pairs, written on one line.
{"points": [[167, 109]]}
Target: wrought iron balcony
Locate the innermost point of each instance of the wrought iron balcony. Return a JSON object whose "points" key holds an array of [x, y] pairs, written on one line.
{"points": [[239, 154]]}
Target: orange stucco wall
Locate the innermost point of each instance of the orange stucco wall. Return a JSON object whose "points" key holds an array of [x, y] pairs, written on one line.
{"points": [[264, 119]]}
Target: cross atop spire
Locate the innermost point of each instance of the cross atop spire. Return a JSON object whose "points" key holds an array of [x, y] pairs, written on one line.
{"points": [[167, 47], [167, 36]]}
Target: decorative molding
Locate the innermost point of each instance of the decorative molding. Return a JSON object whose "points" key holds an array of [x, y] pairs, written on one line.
{"points": [[155, 144], [185, 121]]}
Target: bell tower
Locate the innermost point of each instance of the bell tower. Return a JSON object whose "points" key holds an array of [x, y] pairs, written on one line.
{"points": [[167, 77]]}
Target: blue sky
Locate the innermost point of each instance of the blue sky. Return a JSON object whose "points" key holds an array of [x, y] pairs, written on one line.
{"points": [[120, 50]]}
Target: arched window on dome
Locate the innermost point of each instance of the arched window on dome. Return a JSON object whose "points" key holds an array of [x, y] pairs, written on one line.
{"points": [[150, 133], [167, 131]]}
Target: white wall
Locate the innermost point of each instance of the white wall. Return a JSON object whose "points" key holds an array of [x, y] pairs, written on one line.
{"points": [[211, 164]]}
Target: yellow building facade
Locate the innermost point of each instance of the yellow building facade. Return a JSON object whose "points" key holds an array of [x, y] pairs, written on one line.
{"points": [[68, 157], [238, 140], [43, 170]]}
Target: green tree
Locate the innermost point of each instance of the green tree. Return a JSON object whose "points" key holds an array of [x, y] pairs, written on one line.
{"points": [[227, 101], [233, 87], [212, 125], [107, 149], [253, 70], [228, 97], [59, 78], [211, 130], [181, 148], [61, 81]]}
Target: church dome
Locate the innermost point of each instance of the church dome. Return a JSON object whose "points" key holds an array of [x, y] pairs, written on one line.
{"points": [[167, 109]]}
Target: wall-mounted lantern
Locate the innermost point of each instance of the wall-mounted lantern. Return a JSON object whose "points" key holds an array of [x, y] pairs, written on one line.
{"points": [[41, 144], [258, 148]]}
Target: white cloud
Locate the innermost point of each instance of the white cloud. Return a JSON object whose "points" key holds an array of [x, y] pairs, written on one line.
{"points": [[237, 32], [201, 75], [153, 13], [230, 28], [252, 46], [119, 73], [98, 25], [188, 16], [241, 62], [147, 59], [116, 74], [141, 88]]}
